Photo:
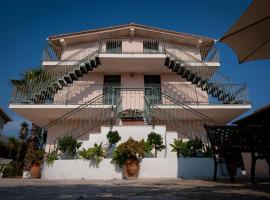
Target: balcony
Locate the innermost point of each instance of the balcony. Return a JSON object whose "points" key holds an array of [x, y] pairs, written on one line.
{"points": [[78, 94], [171, 98], [127, 47]]}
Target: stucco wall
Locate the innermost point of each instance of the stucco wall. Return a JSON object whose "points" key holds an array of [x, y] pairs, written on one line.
{"points": [[149, 168], [82, 90], [185, 90]]}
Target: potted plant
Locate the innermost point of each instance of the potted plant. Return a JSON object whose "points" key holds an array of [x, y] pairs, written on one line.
{"points": [[147, 148], [156, 141], [95, 153], [51, 157], [193, 153], [131, 116], [128, 155], [68, 145], [37, 157], [191, 148], [113, 137]]}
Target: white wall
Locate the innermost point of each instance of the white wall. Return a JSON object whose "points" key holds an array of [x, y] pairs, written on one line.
{"points": [[137, 133], [149, 168]]}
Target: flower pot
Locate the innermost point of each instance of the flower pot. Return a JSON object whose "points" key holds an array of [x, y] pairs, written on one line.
{"points": [[35, 170], [131, 168]]}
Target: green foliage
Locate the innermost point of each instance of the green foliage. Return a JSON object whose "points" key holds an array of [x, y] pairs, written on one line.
{"points": [[13, 146], [13, 169], [196, 147], [68, 145], [51, 157], [180, 147], [24, 129], [113, 137], [96, 153], [156, 141], [129, 149], [131, 114], [146, 146], [38, 156], [208, 152], [4, 150], [27, 76], [191, 148]]}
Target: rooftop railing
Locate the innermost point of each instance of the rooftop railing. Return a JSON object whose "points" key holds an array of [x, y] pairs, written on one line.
{"points": [[130, 46]]}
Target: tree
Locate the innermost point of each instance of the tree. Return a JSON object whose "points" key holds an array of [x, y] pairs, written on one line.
{"points": [[35, 142], [27, 76], [156, 141], [23, 136], [12, 145]]}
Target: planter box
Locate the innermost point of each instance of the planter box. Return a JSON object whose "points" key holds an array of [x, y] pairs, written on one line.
{"points": [[132, 122], [196, 167]]}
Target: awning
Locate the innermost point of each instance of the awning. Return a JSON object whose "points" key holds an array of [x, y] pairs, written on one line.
{"points": [[249, 37]]}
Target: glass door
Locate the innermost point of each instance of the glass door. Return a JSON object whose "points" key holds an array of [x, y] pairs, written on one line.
{"points": [[152, 88], [111, 89]]}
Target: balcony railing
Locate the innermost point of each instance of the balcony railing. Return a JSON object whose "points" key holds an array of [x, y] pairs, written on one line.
{"points": [[77, 94], [130, 46]]}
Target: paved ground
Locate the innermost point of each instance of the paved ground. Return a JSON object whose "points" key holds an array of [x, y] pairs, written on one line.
{"points": [[123, 189]]}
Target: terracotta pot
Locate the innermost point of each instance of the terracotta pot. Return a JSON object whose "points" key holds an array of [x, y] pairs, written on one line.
{"points": [[131, 168], [35, 170]]}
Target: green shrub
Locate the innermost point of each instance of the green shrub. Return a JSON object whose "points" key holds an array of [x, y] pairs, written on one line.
{"points": [[156, 141], [113, 137], [128, 150], [146, 146], [68, 145], [51, 157], [208, 152], [180, 147], [195, 146], [191, 148], [96, 153]]}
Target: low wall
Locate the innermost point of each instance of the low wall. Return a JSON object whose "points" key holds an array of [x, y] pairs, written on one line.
{"points": [[149, 168]]}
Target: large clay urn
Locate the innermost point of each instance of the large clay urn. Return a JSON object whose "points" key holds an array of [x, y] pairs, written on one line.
{"points": [[35, 170], [131, 168]]}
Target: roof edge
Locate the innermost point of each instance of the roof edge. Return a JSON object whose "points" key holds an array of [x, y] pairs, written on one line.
{"points": [[132, 25]]}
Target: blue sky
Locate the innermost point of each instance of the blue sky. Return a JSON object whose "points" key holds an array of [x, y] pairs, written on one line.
{"points": [[25, 25]]}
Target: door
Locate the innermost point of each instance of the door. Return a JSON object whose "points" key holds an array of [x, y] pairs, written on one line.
{"points": [[152, 88], [111, 89]]}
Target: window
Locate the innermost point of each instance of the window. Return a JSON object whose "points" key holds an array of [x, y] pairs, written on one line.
{"points": [[114, 46], [150, 46]]}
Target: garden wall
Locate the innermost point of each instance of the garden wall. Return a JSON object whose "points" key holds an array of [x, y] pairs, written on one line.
{"points": [[150, 168]]}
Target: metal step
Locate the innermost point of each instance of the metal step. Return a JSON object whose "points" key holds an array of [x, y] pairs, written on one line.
{"points": [[190, 77], [62, 82], [181, 70], [97, 59], [73, 76], [78, 72], [176, 67], [186, 73], [171, 65], [93, 63], [88, 66], [167, 61], [68, 79], [195, 80], [83, 69]]}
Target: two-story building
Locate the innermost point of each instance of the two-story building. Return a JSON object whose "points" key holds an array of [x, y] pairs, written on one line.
{"points": [[133, 78]]}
